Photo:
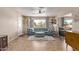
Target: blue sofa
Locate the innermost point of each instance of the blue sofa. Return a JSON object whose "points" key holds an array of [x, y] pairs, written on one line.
{"points": [[30, 31], [46, 31]]}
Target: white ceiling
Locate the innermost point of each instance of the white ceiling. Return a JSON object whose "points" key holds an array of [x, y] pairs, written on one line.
{"points": [[50, 11]]}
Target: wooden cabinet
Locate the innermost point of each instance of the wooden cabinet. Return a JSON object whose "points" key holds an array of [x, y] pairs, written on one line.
{"points": [[3, 42]]}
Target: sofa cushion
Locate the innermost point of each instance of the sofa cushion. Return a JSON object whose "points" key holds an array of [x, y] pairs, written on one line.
{"points": [[40, 29]]}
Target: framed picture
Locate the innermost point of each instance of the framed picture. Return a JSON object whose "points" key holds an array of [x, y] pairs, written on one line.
{"points": [[53, 20]]}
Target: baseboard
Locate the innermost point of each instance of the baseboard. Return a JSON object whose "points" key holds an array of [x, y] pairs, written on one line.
{"points": [[15, 37], [11, 39], [21, 35]]}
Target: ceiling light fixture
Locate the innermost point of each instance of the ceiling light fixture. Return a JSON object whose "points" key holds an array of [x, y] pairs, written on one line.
{"points": [[39, 10]]}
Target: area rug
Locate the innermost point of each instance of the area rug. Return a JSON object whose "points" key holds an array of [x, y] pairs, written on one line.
{"points": [[41, 38]]}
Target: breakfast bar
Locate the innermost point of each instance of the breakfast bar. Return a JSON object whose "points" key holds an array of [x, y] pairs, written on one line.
{"points": [[72, 39]]}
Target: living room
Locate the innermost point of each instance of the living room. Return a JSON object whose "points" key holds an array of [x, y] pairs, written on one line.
{"points": [[37, 28], [40, 26]]}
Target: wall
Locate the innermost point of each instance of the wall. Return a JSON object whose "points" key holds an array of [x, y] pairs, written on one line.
{"points": [[75, 25], [20, 25], [8, 23]]}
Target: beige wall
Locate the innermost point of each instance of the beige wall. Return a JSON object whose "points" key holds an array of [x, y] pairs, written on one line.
{"points": [[8, 23], [75, 24]]}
